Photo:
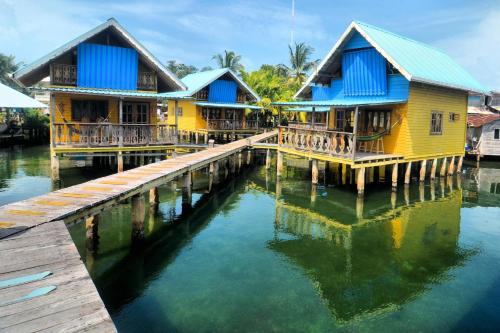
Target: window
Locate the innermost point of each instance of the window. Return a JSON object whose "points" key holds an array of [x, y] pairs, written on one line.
{"points": [[88, 111], [436, 123], [339, 119], [453, 117], [135, 113], [496, 134], [179, 111]]}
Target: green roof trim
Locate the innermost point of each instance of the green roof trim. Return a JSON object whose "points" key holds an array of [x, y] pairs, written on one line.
{"points": [[228, 105], [100, 92], [345, 102]]}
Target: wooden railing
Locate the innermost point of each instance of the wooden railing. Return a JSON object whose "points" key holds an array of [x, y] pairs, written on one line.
{"points": [[333, 143], [230, 124], [299, 124], [108, 134], [146, 81], [63, 74]]}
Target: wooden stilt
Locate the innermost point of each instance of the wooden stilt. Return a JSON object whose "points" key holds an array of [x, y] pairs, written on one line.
{"points": [[154, 198], [314, 171], [361, 181], [433, 168], [187, 191], [459, 164], [91, 227], [119, 161], [406, 194], [451, 168], [408, 173], [394, 198], [421, 192], [211, 168], [249, 156], [314, 193], [240, 160], [138, 215], [394, 177], [279, 164], [206, 138], [54, 166], [360, 203], [423, 170], [442, 172], [344, 174], [268, 159]]}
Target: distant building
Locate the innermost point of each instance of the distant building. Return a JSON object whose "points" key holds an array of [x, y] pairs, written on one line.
{"points": [[483, 125]]}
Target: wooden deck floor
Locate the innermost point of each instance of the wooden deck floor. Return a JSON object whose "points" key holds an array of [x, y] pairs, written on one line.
{"points": [[34, 239]]}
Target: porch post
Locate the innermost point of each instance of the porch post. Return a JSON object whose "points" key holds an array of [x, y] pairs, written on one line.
{"points": [[257, 124], [279, 116], [355, 133], [312, 117], [176, 111]]}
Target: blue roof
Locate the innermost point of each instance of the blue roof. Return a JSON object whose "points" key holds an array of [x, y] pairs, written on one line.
{"points": [[415, 60], [346, 102], [197, 81], [228, 105], [308, 109], [101, 92]]}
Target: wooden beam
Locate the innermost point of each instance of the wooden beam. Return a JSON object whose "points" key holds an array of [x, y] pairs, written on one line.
{"points": [[408, 173], [433, 168], [423, 170], [459, 164]]}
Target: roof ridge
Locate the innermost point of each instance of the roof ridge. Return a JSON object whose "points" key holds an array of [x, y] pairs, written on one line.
{"points": [[399, 36]]}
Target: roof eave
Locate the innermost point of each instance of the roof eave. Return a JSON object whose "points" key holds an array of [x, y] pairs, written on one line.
{"points": [[450, 86]]}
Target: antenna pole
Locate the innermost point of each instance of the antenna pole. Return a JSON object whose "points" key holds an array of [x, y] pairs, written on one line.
{"points": [[293, 22]]}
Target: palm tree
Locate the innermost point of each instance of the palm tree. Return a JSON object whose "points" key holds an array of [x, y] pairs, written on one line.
{"points": [[229, 60], [299, 61]]}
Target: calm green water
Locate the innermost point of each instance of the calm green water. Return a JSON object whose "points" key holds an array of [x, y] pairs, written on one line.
{"points": [[259, 256]]}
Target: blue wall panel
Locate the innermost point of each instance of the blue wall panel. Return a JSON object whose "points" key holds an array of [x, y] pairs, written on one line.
{"points": [[321, 93], [111, 67], [222, 91], [356, 42], [364, 73]]}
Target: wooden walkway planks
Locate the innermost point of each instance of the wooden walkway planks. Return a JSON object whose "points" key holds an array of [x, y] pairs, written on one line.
{"points": [[73, 306], [34, 239]]}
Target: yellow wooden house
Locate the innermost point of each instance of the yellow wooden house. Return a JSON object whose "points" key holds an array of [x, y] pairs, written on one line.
{"points": [[216, 105], [386, 100], [103, 96]]}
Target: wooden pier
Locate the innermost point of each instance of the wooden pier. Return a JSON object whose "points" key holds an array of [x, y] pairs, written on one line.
{"points": [[34, 240]]}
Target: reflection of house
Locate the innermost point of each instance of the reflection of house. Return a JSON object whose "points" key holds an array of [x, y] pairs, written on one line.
{"points": [[387, 98], [215, 104], [374, 265], [103, 93]]}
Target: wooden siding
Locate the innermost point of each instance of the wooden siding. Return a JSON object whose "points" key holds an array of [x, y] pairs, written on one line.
{"points": [[490, 146]]}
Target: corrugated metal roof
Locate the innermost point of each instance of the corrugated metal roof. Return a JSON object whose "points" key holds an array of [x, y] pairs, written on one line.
{"points": [[100, 92], [308, 109], [478, 120], [228, 105], [197, 81], [415, 60], [10, 98], [346, 102]]}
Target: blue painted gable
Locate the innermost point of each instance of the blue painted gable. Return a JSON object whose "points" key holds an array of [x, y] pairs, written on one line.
{"points": [[364, 72], [110, 67], [222, 91], [356, 42]]}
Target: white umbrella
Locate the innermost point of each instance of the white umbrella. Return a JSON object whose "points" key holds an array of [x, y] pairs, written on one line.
{"points": [[10, 98]]}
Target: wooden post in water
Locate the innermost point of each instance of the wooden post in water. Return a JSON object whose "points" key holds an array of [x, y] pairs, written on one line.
{"points": [[442, 172], [408, 173], [314, 193], [54, 166], [119, 161], [361, 181], [268, 159], [187, 184], [423, 170], [249, 156], [211, 143], [394, 177], [314, 172], [279, 164], [451, 168], [433, 168], [459, 164], [154, 198], [360, 202], [92, 232], [240, 160], [138, 215]]}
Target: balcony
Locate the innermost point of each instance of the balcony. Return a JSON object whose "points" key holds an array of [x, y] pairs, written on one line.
{"points": [[61, 74], [109, 134], [231, 124]]}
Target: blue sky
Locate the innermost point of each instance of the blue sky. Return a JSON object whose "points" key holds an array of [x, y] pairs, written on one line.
{"points": [[192, 31]]}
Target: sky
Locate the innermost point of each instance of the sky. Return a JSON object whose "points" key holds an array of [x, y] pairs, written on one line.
{"points": [[191, 32]]}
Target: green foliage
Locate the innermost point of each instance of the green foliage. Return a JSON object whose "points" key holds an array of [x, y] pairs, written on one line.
{"points": [[300, 65], [229, 60], [7, 67], [181, 70], [34, 118]]}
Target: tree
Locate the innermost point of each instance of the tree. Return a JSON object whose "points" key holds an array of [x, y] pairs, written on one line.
{"points": [[299, 61], [181, 70], [229, 60], [7, 67]]}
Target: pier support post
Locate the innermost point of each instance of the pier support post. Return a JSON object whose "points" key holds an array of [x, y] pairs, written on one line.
{"points": [[451, 169], [249, 156], [279, 164], [119, 161], [206, 138], [361, 181], [54, 166], [459, 164], [268, 159], [211, 143], [240, 160], [423, 170], [92, 232], [154, 198], [360, 205], [138, 215], [344, 174], [314, 193], [433, 168], [408, 173], [442, 172], [187, 184], [314, 172], [395, 177]]}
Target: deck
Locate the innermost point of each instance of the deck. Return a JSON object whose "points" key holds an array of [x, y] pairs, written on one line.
{"points": [[34, 239]]}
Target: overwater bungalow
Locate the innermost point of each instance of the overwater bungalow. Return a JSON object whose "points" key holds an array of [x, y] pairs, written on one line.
{"points": [[216, 104], [483, 126], [388, 100], [103, 95]]}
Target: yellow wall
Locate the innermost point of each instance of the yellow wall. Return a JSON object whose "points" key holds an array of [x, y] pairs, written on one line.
{"points": [[188, 120], [412, 137]]}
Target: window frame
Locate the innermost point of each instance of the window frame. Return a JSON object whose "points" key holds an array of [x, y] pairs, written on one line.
{"points": [[496, 134], [433, 125], [89, 108]]}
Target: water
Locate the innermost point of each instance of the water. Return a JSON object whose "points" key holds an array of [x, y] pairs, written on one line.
{"points": [[257, 255]]}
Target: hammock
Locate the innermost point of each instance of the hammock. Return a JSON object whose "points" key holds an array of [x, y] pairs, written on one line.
{"points": [[378, 135]]}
